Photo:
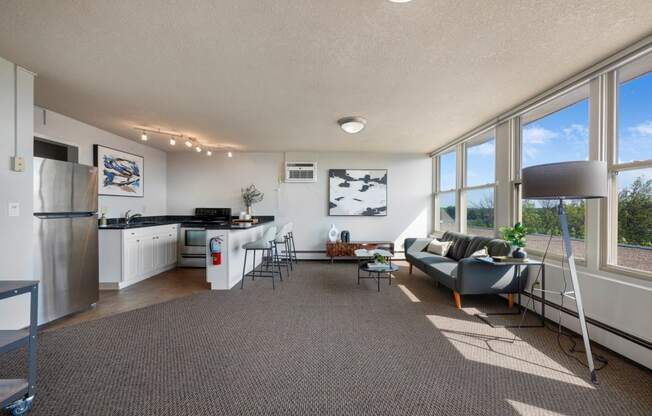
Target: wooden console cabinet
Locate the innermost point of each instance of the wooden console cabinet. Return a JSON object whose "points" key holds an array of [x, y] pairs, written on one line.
{"points": [[341, 249]]}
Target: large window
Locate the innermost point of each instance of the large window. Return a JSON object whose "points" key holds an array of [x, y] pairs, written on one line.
{"points": [[479, 185], [447, 192], [556, 132], [631, 201], [447, 204]]}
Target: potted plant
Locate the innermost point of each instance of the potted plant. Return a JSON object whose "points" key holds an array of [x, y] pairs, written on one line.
{"points": [[250, 196], [380, 259], [516, 237]]}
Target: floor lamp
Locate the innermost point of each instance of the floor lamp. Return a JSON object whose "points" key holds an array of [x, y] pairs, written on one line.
{"points": [[568, 180]]}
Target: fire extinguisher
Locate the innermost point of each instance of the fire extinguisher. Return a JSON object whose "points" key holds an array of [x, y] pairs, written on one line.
{"points": [[216, 250]]}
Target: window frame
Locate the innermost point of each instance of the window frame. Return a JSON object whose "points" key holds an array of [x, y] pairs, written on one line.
{"points": [[570, 98], [437, 190], [477, 140], [609, 222]]}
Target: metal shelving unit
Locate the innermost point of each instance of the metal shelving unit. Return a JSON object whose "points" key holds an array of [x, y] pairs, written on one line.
{"points": [[17, 394]]}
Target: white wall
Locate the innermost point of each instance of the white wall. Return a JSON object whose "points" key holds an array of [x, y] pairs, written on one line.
{"points": [[16, 242], [195, 181], [64, 129]]}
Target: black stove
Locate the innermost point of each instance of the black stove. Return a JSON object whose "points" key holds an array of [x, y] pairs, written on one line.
{"points": [[192, 236], [212, 215]]}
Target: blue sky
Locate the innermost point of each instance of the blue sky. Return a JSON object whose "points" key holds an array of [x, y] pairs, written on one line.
{"points": [[564, 136]]}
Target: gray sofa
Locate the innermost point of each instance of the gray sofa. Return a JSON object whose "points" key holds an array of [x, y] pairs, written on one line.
{"points": [[460, 272]]}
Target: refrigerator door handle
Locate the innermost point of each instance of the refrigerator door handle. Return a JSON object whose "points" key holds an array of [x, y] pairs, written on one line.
{"points": [[46, 216]]}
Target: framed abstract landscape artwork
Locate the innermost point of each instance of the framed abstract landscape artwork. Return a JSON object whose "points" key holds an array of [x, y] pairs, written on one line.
{"points": [[357, 192], [119, 173]]}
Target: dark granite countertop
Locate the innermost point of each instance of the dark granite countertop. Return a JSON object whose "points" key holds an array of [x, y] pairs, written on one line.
{"points": [[184, 221]]}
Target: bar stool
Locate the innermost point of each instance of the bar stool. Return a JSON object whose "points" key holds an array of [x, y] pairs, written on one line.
{"points": [[268, 246], [283, 238], [293, 248]]}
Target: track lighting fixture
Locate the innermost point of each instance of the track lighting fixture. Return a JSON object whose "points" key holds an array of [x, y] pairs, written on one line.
{"points": [[190, 142], [229, 154]]}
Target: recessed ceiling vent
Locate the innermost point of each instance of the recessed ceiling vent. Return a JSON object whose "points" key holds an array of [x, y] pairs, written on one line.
{"points": [[300, 172]]}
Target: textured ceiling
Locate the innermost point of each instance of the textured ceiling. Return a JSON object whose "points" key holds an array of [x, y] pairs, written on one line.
{"points": [[276, 75]]}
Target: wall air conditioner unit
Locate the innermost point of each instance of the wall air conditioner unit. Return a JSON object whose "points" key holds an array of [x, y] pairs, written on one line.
{"points": [[300, 172]]}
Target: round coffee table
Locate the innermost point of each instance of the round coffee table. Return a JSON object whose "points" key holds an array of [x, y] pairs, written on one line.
{"points": [[379, 273]]}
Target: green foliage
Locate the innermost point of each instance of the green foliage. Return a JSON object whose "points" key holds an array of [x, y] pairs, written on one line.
{"points": [[635, 213], [251, 195], [543, 217], [514, 235], [379, 258]]}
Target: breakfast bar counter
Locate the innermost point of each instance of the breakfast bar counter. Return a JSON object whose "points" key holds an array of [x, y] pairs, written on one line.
{"points": [[228, 272]]}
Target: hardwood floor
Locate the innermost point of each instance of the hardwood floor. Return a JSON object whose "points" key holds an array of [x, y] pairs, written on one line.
{"points": [[166, 286]]}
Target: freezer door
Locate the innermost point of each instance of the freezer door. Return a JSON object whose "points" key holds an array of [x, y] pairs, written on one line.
{"points": [[66, 263], [64, 186]]}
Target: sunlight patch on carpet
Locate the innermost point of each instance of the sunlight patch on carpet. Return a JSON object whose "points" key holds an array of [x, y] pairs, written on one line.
{"points": [[479, 342]]}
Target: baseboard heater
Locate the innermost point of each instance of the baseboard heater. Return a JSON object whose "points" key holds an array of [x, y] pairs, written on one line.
{"points": [[632, 338]]}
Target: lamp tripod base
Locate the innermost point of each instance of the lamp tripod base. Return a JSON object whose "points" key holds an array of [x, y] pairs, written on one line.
{"points": [[576, 290]]}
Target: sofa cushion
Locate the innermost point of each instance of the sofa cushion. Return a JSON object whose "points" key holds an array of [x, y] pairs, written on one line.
{"points": [[459, 246], [439, 247], [444, 271], [497, 247], [476, 243], [425, 258]]}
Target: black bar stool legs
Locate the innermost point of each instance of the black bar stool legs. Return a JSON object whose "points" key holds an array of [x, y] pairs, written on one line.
{"points": [[267, 246]]}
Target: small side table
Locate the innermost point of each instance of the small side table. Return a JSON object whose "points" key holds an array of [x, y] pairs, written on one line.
{"points": [[518, 264], [17, 394], [380, 273]]}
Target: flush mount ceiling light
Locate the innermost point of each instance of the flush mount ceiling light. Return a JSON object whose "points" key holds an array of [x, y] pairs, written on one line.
{"points": [[352, 125]]}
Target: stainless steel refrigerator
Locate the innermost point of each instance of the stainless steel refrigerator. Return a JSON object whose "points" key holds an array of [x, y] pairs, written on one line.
{"points": [[65, 237]]}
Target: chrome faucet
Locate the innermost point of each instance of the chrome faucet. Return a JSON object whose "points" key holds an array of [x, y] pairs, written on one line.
{"points": [[128, 217]]}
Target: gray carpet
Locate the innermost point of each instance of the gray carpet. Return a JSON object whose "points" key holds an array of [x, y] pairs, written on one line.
{"points": [[320, 345]]}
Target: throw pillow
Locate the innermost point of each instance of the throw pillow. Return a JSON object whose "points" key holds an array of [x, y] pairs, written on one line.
{"points": [[439, 247], [481, 253], [419, 244]]}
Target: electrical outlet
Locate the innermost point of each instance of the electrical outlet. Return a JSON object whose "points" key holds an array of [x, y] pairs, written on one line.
{"points": [[17, 164], [14, 209]]}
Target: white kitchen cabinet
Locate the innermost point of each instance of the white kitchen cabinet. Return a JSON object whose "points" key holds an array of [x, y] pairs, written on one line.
{"points": [[147, 253], [171, 243], [132, 255]]}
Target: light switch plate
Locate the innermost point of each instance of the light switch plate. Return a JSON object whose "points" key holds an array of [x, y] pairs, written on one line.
{"points": [[14, 209], [17, 164]]}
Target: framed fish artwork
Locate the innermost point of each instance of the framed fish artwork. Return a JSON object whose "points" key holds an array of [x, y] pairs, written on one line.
{"points": [[119, 173]]}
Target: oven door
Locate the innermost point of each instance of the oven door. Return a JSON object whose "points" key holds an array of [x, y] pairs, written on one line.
{"points": [[192, 247]]}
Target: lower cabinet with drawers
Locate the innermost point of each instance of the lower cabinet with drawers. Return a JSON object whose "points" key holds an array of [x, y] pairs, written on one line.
{"points": [[131, 255]]}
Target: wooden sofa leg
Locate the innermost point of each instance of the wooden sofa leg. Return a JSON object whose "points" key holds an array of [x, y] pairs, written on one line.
{"points": [[410, 268], [510, 300], [458, 300]]}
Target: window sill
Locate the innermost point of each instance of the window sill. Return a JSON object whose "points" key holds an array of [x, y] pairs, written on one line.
{"points": [[555, 257], [635, 273]]}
